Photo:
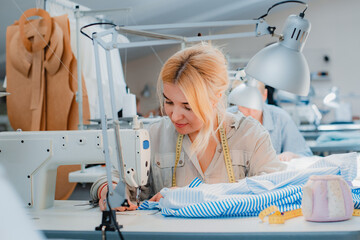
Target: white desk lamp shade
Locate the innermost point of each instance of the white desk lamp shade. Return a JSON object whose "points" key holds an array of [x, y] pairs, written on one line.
{"points": [[246, 96], [282, 65]]}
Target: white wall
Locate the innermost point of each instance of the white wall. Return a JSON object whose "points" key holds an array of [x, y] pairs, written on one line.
{"points": [[335, 29], [335, 32], [146, 71]]}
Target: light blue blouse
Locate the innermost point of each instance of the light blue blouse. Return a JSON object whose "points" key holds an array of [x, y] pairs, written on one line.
{"points": [[284, 134]]}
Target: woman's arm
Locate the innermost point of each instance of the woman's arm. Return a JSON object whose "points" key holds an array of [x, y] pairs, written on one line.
{"points": [[99, 189], [102, 200], [264, 158]]}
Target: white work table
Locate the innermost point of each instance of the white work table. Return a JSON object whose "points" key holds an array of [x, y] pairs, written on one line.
{"points": [[65, 220]]}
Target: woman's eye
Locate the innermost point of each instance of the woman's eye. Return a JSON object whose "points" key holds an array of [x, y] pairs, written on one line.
{"points": [[169, 103], [187, 108]]}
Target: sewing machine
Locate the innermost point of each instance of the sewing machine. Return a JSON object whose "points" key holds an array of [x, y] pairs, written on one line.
{"points": [[31, 158]]}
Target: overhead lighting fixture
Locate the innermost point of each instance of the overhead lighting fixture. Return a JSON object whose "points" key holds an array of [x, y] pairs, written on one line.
{"points": [[247, 95], [282, 65], [332, 98]]}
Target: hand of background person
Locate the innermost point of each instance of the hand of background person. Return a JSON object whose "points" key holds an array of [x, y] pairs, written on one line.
{"points": [[287, 156]]}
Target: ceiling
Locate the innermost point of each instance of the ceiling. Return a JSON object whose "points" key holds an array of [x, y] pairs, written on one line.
{"points": [[147, 12]]}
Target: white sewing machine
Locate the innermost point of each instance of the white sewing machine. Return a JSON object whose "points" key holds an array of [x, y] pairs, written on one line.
{"points": [[31, 158]]}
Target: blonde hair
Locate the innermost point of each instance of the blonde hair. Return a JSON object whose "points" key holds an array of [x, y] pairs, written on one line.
{"points": [[201, 73]]}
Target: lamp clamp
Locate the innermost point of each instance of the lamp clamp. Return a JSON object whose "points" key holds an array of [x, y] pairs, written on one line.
{"points": [[107, 223], [271, 30]]}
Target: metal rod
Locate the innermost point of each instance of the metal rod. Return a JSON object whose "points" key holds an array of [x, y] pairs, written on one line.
{"points": [[149, 34], [220, 36], [79, 95], [186, 39], [103, 119], [195, 25], [69, 6], [114, 112], [87, 11], [97, 12], [147, 43]]}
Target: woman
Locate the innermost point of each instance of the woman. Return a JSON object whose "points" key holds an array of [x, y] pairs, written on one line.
{"points": [[213, 145]]}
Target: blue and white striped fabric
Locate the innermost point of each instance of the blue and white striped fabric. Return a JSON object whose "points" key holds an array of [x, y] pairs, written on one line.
{"points": [[249, 196]]}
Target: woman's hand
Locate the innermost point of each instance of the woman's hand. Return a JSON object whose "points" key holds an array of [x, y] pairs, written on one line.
{"points": [[103, 203], [156, 197]]}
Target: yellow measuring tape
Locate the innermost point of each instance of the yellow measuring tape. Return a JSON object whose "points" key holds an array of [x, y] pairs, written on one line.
{"points": [[227, 158], [276, 217], [178, 151], [356, 212], [225, 146]]}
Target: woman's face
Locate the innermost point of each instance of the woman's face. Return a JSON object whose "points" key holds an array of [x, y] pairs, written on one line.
{"points": [[177, 108]]}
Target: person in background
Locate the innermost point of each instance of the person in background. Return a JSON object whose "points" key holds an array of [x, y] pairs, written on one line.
{"points": [[191, 87], [285, 136], [138, 109]]}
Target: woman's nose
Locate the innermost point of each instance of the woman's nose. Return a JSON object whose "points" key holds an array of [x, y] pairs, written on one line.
{"points": [[176, 114]]}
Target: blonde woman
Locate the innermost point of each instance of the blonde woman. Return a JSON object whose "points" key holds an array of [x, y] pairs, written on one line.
{"points": [[215, 146]]}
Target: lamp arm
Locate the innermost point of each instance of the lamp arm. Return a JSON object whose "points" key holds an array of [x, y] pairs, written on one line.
{"points": [[261, 29], [115, 197]]}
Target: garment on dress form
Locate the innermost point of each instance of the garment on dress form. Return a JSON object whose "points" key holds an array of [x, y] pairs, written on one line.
{"points": [[43, 83]]}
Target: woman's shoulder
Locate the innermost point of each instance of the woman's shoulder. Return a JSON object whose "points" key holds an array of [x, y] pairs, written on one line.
{"points": [[162, 127], [161, 123], [246, 132], [240, 123], [163, 135]]}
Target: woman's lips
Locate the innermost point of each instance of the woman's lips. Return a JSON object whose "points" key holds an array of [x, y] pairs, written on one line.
{"points": [[178, 125]]}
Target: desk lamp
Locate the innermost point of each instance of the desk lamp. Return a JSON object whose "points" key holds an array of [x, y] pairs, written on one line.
{"points": [[282, 65], [246, 95]]}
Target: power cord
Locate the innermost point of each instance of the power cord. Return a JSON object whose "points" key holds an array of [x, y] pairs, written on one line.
{"points": [[279, 3], [113, 217], [93, 24]]}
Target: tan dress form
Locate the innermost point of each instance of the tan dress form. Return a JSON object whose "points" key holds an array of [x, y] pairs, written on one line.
{"points": [[42, 79]]}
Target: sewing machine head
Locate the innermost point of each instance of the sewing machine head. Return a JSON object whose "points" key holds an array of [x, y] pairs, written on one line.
{"points": [[31, 158]]}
